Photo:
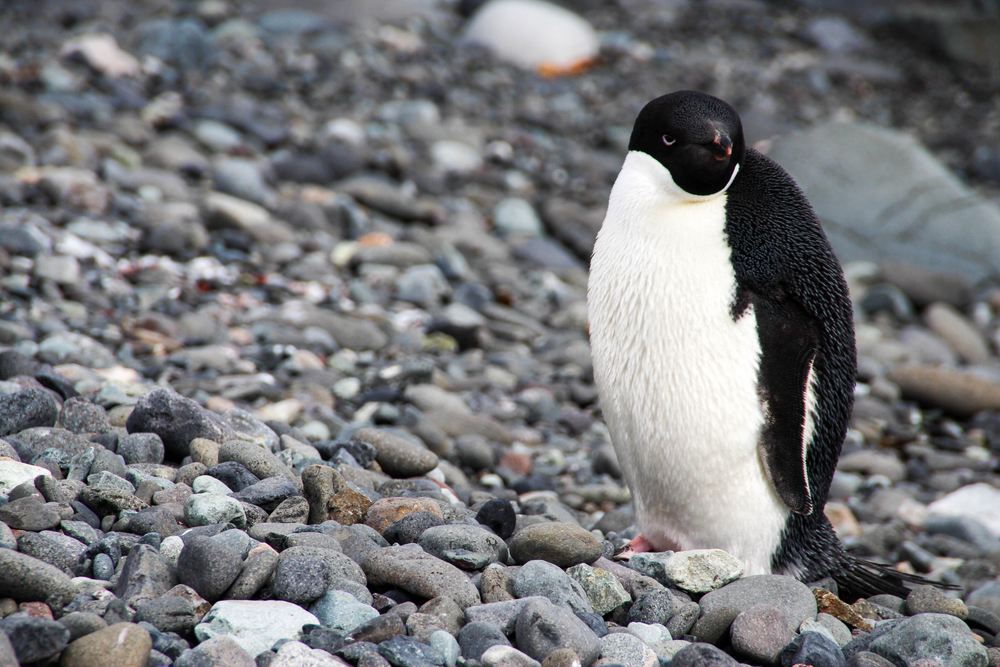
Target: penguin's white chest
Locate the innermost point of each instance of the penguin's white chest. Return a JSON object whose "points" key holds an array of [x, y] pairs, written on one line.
{"points": [[677, 375]]}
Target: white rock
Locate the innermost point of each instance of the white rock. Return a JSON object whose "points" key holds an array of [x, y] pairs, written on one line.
{"points": [[507, 656], [101, 51], [702, 570], [297, 654], [255, 624], [209, 484], [533, 34], [13, 473], [455, 157], [978, 501]]}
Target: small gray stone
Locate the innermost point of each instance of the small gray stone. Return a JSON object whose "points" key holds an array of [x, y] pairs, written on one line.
{"points": [[543, 627], [626, 649], [928, 599], [939, 637], [141, 448], [792, 597], [538, 577], [515, 216], [208, 566], [204, 509], [438, 539], [761, 632], [411, 568]]}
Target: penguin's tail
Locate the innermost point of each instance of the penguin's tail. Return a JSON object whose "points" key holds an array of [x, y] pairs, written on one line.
{"points": [[860, 578]]}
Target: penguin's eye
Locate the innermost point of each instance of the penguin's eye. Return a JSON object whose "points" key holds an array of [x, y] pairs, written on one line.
{"points": [[668, 140]]}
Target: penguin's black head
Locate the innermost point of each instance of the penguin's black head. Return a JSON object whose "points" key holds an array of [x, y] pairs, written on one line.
{"points": [[697, 137]]}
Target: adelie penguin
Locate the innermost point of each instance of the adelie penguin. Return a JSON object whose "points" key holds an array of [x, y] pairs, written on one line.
{"points": [[723, 345]]}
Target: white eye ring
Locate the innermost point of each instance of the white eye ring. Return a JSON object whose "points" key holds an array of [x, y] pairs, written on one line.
{"points": [[668, 140]]}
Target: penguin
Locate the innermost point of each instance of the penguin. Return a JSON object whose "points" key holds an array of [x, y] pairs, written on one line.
{"points": [[722, 336]]}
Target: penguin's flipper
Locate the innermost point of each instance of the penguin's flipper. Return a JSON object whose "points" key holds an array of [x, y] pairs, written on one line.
{"points": [[789, 343]]}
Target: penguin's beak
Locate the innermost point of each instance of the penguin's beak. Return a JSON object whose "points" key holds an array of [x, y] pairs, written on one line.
{"points": [[721, 147]]}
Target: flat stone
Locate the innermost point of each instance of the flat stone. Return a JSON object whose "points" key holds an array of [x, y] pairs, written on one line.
{"points": [[944, 226], [254, 624], [793, 597], [702, 570]]}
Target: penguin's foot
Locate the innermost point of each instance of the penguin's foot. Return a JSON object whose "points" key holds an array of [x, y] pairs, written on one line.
{"points": [[637, 545]]}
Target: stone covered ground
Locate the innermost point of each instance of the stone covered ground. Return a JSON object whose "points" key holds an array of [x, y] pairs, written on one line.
{"points": [[294, 365]]}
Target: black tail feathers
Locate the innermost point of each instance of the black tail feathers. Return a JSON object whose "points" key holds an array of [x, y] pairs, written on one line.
{"points": [[860, 578]]}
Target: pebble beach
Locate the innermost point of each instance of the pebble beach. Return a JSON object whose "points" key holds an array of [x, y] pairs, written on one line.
{"points": [[294, 358]]}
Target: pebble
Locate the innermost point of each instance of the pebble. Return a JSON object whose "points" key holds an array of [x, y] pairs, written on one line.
{"points": [[543, 627], [560, 543], [761, 632], [540, 578], [954, 643], [701, 570], [603, 590], [255, 625], [411, 568], [796, 600], [334, 317]]}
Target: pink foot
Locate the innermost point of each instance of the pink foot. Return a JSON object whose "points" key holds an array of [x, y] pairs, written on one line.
{"points": [[636, 545]]}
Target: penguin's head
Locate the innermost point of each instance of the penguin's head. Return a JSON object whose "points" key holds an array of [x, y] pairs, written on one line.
{"points": [[696, 137]]}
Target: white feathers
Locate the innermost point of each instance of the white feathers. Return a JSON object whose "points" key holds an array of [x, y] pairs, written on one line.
{"points": [[677, 376]]}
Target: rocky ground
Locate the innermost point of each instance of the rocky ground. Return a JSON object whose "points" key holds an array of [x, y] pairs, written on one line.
{"points": [[281, 288]]}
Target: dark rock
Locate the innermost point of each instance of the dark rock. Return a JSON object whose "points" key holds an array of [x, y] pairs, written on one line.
{"points": [[474, 638], [408, 529], [499, 516], [26, 409], [543, 627], [702, 655], [208, 566], [146, 575], [34, 639], [813, 648], [177, 420], [233, 474]]}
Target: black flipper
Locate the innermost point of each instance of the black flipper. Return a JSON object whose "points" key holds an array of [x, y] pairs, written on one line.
{"points": [[789, 341]]}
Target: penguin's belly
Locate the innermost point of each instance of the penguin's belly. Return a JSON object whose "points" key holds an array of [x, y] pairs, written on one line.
{"points": [[678, 377]]}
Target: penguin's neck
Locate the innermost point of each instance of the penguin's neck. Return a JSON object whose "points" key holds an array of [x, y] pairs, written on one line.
{"points": [[647, 200]]}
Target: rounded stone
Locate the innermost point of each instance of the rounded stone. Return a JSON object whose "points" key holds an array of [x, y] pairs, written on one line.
{"points": [[543, 627], [792, 597], [563, 544], [539, 577], [760, 633], [205, 509], [398, 456]]}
